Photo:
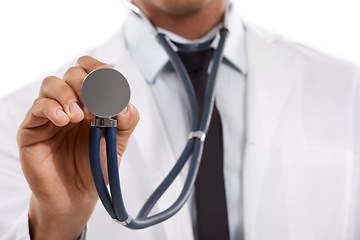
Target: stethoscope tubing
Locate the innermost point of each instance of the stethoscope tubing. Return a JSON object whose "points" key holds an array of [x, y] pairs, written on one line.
{"points": [[114, 204], [207, 112], [96, 169]]}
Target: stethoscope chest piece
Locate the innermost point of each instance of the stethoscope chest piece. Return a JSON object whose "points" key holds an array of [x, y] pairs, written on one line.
{"points": [[105, 92]]}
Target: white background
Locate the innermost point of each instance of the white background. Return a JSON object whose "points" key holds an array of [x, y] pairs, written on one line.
{"points": [[37, 36]]}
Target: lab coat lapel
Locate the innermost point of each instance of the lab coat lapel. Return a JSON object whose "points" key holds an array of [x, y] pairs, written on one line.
{"points": [[271, 77], [152, 140]]}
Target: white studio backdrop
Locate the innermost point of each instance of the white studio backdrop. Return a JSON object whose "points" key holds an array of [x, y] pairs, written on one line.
{"points": [[38, 36]]}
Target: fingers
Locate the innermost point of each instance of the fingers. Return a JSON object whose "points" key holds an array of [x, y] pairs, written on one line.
{"points": [[90, 64], [60, 99], [128, 118], [44, 110], [58, 90], [74, 77]]}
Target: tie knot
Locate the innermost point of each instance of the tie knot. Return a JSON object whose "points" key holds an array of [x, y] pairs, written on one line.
{"points": [[194, 61]]}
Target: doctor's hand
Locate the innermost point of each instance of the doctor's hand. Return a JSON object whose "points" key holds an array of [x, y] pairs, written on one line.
{"points": [[53, 146]]}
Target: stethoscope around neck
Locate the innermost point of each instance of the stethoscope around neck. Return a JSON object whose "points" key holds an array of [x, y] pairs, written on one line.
{"points": [[113, 93]]}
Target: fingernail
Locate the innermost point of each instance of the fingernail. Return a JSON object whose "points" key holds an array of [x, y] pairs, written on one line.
{"points": [[125, 111], [75, 109], [60, 113]]}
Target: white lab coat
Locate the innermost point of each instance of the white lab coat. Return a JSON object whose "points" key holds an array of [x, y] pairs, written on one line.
{"points": [[301, 165]]}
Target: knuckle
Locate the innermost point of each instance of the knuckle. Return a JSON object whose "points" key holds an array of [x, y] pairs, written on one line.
{"points": [[90, 63], [38, 102], [72, 70], [47, 81], [136, 116], [100, 65], [20, 131], [82, 59], [121, 149], [67, 95], [20, 137]]}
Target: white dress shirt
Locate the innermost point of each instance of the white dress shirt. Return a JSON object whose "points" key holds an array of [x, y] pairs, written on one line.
{"points": [[174, 106]]}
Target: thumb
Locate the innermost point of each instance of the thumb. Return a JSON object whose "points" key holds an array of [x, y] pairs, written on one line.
{"points": [[126, 123]]}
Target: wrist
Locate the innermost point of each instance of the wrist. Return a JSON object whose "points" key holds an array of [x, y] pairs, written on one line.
{"points": [[47, 224]]}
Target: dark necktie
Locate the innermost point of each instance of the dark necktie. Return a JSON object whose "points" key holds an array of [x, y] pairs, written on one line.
{"points": [[212, 220]]}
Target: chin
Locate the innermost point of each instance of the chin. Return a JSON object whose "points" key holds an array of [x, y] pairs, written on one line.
{"points": [[182, 7]]}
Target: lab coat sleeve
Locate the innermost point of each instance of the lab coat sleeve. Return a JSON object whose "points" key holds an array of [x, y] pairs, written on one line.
{"points": [[14, 190], [20, 229]]}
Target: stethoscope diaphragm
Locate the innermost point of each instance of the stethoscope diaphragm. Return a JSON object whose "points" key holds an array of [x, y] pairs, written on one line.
{"points": [[105, 92]]}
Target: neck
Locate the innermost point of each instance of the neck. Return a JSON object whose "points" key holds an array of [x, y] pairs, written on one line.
{"points": [[187, 24]]}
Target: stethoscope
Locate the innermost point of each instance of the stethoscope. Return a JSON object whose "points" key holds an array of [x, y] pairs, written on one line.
{"points": [[114, 92]]}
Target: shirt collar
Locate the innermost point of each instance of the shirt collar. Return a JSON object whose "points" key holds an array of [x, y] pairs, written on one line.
{"points": [[151, 57]]}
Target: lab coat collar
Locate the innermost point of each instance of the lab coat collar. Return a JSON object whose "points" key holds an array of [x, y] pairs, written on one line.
{"points": [[235, 46], [144, 48], [151, 57]]}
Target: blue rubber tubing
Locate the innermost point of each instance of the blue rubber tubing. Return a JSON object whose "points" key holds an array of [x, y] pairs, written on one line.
{"points": [[96, 170], [165, 184], [203, 125], [113, 172]]}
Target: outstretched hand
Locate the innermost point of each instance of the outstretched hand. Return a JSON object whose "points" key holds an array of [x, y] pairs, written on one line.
{"points": [[53, 145]]}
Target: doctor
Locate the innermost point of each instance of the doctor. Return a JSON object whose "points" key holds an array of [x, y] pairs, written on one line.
{"points": [[291, 132]]}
